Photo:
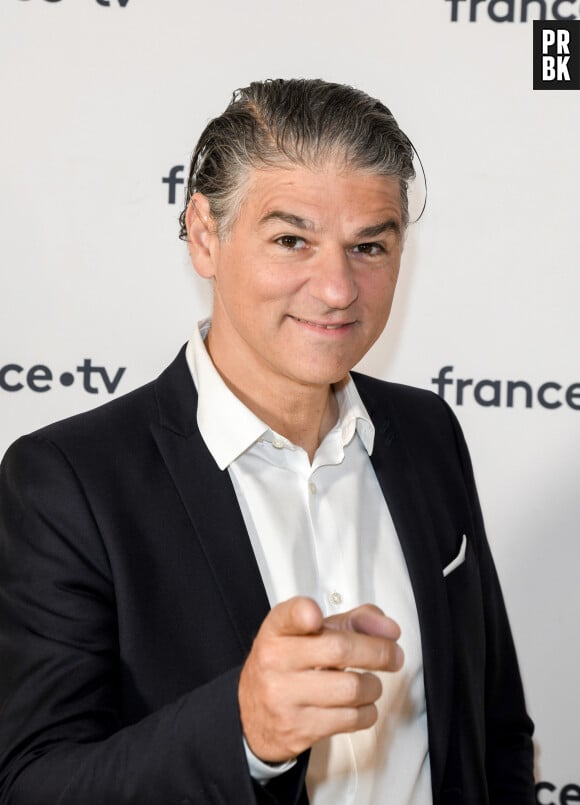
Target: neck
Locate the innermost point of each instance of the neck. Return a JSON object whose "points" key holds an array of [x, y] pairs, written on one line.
{"points": [[302, 413]]}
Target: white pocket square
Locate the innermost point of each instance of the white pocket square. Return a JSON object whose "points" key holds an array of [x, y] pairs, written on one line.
{"points": [[459, 559]]}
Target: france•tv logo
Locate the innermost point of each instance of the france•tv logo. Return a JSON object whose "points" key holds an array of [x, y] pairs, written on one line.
{"points": [[556, 54]]}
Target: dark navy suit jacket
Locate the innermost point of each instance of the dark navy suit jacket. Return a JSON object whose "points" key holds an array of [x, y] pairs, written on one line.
{"points": [[130, 596]]}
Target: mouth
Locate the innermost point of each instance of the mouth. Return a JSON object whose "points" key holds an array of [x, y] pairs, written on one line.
{"points": [[322, 325]]}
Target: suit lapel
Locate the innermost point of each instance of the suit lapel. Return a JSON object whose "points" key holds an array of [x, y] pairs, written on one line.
{"points": [[210, 501], [406, 501]]}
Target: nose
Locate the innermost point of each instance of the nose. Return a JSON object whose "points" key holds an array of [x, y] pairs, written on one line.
{"points": [[333, 280]]}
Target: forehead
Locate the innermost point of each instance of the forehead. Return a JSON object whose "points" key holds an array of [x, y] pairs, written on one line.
{"points": [[322, 196]]}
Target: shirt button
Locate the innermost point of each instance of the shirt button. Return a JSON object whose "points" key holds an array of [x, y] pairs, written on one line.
{"points": [[313, 488], [277, 443], [335, 599]]}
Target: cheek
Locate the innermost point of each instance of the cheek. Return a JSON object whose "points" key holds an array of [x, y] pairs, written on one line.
{"points": [[251, 276], [378, 302], [268, 289], [378, 289], [255, 300]]}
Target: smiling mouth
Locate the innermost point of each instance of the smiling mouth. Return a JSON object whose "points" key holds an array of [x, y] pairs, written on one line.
{"points": [[322, 326]]}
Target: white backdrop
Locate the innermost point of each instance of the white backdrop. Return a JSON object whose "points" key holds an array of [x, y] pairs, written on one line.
{"points": [[101, 98]]}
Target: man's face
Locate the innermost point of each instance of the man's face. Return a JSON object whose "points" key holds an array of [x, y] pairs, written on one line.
{"points": [[305, 280]]}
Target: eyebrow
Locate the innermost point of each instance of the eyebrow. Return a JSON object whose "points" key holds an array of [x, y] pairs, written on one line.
{"points": [[288, 218], [390, 225]]}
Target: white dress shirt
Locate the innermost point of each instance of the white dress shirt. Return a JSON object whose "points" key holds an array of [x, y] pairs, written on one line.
{"points": [[324, 530]]}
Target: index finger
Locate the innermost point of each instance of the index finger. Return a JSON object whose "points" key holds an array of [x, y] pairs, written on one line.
{"points": [[345, 648], [366, 619]]}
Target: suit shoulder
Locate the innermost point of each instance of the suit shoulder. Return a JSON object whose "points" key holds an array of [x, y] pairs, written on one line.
{"points": [[122, 412], [96, 437], [121, 423]]}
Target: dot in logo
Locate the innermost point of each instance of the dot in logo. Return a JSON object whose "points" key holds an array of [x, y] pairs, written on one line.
{"points": [[67, 379]]}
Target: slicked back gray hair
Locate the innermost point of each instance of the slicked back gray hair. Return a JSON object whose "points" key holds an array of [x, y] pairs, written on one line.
{"points": [[304, 122]]}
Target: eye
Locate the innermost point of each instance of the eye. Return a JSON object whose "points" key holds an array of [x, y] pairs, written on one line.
{"points": [[371, 249], [291, 242]]}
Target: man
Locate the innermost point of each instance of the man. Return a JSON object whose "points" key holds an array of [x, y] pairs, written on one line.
{"points": [[259, 578]]}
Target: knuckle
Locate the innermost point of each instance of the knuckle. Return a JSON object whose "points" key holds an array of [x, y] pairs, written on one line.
{"points": [[353, 685], [339, 650], [265, 654], [269, 691]]}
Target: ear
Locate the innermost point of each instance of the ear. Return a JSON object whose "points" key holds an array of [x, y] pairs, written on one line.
{"points": [[201, 235]]}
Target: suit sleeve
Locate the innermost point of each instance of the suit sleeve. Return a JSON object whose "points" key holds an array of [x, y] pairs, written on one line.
{"points": [[62, 736], [509, 748]]}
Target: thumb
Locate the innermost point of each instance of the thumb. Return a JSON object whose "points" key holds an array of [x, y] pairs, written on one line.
{"points": [[296, 616]]}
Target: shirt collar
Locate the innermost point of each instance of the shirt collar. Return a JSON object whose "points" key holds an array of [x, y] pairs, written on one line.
{"points": [[236, 428], [353, 417]]}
